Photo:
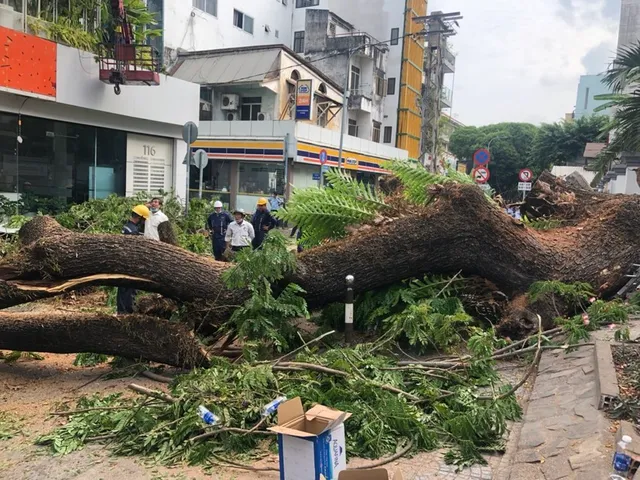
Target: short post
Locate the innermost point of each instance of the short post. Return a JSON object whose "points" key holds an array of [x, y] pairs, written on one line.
{"points": [[348, 310]]}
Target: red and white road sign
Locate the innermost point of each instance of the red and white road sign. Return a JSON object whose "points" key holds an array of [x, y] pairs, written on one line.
{"points": [[481, 174], [525, 175]]}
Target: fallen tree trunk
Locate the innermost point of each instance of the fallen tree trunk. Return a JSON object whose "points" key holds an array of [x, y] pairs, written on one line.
{"points": [[459, 231], [130, 336]]}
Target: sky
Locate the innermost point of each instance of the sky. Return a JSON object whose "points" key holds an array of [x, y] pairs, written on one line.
{"points": [[521, 61]]}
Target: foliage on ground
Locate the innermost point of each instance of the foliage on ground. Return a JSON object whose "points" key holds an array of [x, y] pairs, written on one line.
{"points": [[574, 294], [9, 426], [448, 412], [626, 359]]}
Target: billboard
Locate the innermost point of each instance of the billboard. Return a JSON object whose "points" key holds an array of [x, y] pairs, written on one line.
{"points": [[304, 99]]}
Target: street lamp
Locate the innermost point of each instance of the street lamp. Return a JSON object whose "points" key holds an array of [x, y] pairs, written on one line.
{"points": [[495, 138]]}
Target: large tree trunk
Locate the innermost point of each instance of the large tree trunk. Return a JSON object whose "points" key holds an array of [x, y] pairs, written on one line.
{"points": [[459, 231], [130, 336]]}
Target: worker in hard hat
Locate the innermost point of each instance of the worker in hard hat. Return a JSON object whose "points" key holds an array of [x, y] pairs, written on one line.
{"points": [[217, 225], [262, 222], [126, 296], [240, 233]]}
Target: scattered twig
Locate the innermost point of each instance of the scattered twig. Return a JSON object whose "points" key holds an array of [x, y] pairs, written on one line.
{"points": [[524, 341], [100, 437], [95, 379], [156, 377], [244, 467], [244, 431], [304, 345], [384, 461], [94, 409], [152, 393], [448, 283]]}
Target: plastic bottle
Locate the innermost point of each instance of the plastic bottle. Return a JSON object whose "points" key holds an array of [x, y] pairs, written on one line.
{"points": [[621, 460], [272, 407], [206, 416]]}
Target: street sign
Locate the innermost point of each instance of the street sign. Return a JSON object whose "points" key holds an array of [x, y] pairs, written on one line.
{"points": [[481, 174], [481, 157], [524, 186], [325, 168], [485, 186], [315, 176], [525, 175], [323, 156], [190, 132], [200, 159]]}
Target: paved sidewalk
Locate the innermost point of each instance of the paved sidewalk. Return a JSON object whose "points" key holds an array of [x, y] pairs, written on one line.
{"points": [[563, 435]]}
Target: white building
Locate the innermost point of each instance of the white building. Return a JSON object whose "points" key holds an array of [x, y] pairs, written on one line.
{"points": [[65, 137]]}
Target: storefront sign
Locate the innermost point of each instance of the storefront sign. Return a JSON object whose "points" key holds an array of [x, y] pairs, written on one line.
{"points": [[304, 99], [315, 176], [351, 163], [149, 164]]}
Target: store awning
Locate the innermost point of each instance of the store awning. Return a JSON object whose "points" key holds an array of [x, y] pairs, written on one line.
{"points": [[211, 69]]}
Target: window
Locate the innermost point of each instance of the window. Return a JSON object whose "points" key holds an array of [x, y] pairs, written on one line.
{"points": [[298, 42], [277, 34], [243, 21], [251, 107], [258, 180], [216, 181], [395, 35], [391, 86], [355, 78], [376, 132], [379, 86], [388, 132], [209, 6], [353, 128], [307, 3], [206, 103], [586, 98]]}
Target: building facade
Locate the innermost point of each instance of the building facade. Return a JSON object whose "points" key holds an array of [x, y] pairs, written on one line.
{"points": [[252, 130], [589, 87], [65, 137], [629, 31]]}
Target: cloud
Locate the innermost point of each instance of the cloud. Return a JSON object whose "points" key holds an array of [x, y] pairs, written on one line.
{"points": [[523, 63]]}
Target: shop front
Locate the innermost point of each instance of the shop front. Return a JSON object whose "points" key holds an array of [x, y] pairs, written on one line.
{"points": [[239, 172]]}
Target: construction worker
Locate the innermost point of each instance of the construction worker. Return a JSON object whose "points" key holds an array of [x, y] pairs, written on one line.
{"points": [[240, 233], [275, 204], [125, 296], [157, 217], [262, 222], [217, 225]]}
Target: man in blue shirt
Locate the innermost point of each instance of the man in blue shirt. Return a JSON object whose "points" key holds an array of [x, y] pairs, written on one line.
{"points": [[275, 204], [126, 296], [262, 222], [217, 225]]}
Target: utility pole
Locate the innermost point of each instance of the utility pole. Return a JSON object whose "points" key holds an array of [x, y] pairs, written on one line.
{"points": [[438, 61]]}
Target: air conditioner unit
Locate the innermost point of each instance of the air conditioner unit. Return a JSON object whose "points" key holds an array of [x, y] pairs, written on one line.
{"points": [[230, 102], [263, 116], [231, 117]]}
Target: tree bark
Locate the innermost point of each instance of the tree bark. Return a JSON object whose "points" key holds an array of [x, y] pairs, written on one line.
{"points": [[130, 336]]}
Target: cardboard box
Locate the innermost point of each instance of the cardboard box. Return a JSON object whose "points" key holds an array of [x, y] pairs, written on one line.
{"points": [[373, 474], [311, 444]]}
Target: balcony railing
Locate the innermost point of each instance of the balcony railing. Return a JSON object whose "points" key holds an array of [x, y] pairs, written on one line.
{"points": [[359, 101], [448, 60]]}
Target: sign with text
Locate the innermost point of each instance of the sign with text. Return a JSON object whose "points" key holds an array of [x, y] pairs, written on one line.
{"points": [[304, 99], [524, 186]]}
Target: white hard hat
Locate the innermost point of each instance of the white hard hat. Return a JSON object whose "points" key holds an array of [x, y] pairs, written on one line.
{"points": [[239, 210], [217, 204]]}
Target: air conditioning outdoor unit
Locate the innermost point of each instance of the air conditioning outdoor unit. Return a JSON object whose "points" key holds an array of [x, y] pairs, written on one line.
{"points": [[263, 116], [230, 102], [231, 117]]}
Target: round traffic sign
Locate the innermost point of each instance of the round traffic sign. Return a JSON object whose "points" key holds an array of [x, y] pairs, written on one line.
{"points": [[481, 174], [190, 132], [481, 157], [525, 175], [323, 156], [200, 159]]}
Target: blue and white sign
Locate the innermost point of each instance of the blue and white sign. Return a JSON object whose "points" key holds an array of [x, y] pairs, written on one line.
{"points": [[315, 176], [481, 157], [325, 168], [304, 100], [323, 156]]}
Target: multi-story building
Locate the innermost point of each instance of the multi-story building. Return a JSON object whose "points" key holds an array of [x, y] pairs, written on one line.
{"points": [[254, 132], [629, 31], [65, 137], [589, 87]]}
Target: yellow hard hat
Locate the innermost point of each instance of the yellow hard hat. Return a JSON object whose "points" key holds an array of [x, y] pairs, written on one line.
{"points": [[262, 201], [142, 210]]}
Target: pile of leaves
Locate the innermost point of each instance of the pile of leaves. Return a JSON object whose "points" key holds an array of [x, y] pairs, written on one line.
{"points": [[390, 406]]}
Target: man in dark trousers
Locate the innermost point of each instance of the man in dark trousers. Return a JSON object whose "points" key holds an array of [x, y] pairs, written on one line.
{"points": [[262, 222], [126, 295], [217, 224]]}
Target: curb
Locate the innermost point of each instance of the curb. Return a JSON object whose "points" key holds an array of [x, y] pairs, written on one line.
{"points": [[607, 391]]}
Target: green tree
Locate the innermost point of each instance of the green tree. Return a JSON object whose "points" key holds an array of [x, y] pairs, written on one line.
{"points": [[510, 151], [563, 143]]}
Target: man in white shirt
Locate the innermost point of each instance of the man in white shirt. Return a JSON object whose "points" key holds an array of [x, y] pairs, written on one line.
{"points": [[156, 218], [239, 233]]}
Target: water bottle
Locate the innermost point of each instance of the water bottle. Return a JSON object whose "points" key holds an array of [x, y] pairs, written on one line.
{"points": [[206, 416], [272, 407], [621, 461]]}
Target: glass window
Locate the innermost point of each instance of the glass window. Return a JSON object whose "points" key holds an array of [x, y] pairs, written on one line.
{"points": [[391, 86], [376, 132], [59, 163], [209, 6], [216, 180], [395, 36], [298, 42], [251, 107], [388, 132], [206, 104], [379, 86], [355, 78], [243, 21], [260, 178], [353, 128], [307, 3]]}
